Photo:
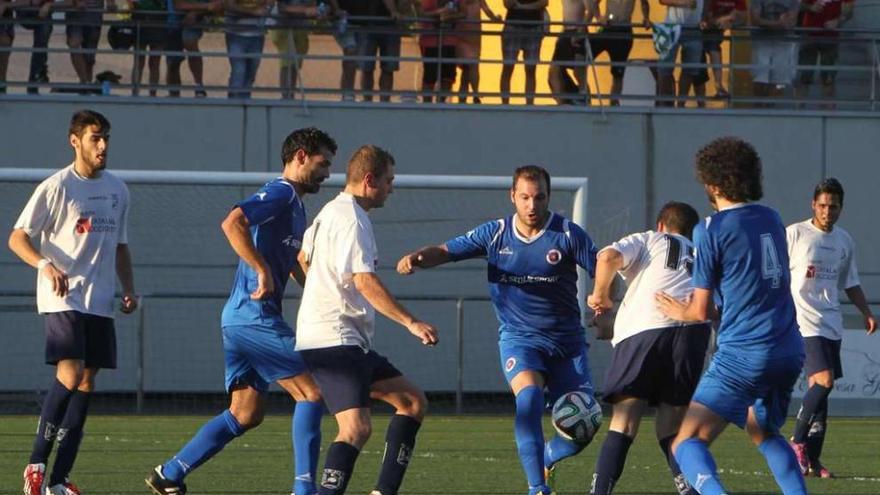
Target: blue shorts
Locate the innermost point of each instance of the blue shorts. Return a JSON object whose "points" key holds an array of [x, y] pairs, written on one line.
{"points": [[562, 373], [259, 355], [735, 382]]}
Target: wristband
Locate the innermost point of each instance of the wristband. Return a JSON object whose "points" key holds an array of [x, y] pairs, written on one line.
{"points": [[42, 263]]}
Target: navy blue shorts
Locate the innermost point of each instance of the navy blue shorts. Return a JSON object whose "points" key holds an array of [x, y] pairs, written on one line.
{"points": [[75, 335], [822, 354], [659, 366], [345, 374]]}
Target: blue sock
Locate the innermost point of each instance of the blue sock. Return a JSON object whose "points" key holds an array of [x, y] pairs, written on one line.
{"points": [[54, 407], [209, 440], [699, 467], [530, 434], [783, 465], [559, 448], [70, 435], [609, 466], [306, 445]]}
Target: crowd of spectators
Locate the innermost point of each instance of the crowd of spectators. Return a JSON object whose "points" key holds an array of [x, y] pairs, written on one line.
{"points": [[688, 42]]}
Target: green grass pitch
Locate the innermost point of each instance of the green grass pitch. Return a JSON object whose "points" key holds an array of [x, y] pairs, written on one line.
{"points": [[454, 455]]}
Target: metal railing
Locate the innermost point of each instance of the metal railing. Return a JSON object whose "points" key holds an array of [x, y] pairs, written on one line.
{"points": [[865, 75]]}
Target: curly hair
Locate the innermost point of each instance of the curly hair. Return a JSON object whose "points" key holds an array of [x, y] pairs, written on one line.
{"points": [[733, 166], [309, 139]]}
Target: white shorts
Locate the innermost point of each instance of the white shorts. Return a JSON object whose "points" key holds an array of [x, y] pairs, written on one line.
{"points": [[774, 61]]}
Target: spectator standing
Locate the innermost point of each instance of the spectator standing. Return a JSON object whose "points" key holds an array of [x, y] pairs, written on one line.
{"points": [[772, 52], [346, 38], [83, 25], [380, 37], [470, 45], [615, 36], [571, 46], [291, 39], [822, 43], [245, 37], [523, 32], [151, 33], [688, 14], [7, 34], [720, 15], [437, 42], [184, 34], [35, 16]]}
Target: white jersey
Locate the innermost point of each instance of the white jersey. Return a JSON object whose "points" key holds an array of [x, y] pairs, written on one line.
{"points": [[78, 222], [652, 262], [821, 263], [338, 244]]}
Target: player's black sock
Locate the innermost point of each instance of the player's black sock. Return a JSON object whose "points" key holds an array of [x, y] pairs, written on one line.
{"points": [[681, 482], [609, 466], [70, 435], [816, 435], [812, 401], [337, 468], [54, 407], [400, 441]]}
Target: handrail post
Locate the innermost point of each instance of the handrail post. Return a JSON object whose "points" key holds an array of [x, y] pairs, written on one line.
{"points": [[139, 377], [459, 356]]}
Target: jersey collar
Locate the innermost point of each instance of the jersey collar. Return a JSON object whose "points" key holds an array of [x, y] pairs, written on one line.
{"points": [[529, 240]]}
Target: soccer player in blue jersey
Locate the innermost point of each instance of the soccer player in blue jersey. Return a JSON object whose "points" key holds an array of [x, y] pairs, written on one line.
{"points": [[742, 262], [266, 231], [532, 258]]}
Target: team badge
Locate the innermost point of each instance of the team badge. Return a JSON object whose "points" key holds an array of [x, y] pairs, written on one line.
{"points": [[509, 364], [811, 271], [332, 479], [554, 256]]}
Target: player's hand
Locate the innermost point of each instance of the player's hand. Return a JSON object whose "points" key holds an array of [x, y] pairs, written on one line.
{"points": [[407, 264], [265, 286], [670, 306], [129, 303], [599, 304], [426, 332], [870, 324], [58, 278]]}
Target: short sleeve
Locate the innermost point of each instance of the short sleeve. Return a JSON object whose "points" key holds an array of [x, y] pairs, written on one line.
{"points": [[791, 237], [267, 203], [706, 262], [632, 248], [475, 243], [35, 216], [356, 250], [583, 249], [850, 273]]}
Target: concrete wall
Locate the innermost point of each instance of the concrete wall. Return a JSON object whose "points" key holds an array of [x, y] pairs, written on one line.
{"points": [[636, 160]]}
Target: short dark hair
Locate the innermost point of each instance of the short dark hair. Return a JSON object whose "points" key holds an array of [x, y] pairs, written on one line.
{"points": [[733, 166], [368, 159], [829, 186], [308, 139], [532, 173], [83, 119], [679, 217]]}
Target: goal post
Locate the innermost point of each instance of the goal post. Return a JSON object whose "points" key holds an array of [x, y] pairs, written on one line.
{"points": [[184, 268]]}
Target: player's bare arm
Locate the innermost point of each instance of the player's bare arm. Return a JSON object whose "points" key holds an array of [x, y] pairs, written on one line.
{"points": [[699, 308], [857, 296], [608, 262], [426, 257], [20, 244], [298, 272], [237, 230], [371, 287], [126, 278]]}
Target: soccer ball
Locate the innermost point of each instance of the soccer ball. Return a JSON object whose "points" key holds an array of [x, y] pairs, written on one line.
{"points": [[577, 417]]}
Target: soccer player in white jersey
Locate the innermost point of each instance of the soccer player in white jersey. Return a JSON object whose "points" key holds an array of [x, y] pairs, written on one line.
{"points": [[78, 217], [335, 327], [656, 360], [822, 260], [532, 257]]}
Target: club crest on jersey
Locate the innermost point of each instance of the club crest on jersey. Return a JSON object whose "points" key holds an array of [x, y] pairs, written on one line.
{"points": [[811, 271], [554, 256], [509, 364]]}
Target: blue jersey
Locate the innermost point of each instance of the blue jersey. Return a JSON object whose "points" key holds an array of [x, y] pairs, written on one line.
{"points": [[533, 282], [277, 221], [741, 255]]}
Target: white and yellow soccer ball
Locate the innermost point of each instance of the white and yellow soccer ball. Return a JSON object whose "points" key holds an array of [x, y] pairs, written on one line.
{"points": [[577, 416]]}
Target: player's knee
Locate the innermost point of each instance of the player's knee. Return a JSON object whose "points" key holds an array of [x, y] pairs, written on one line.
{"points": [[356, 433], [247, 418]]}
